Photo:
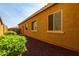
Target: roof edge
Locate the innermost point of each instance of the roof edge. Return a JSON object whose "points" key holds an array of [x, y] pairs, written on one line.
{"points": [[37, 12]]}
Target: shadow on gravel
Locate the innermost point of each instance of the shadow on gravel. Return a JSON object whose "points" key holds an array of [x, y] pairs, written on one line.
{"points": [[39, 48]]}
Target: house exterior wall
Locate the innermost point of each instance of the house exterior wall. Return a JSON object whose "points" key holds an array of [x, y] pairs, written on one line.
{"points": [[1, 29], [5, 29], [68, 38]]}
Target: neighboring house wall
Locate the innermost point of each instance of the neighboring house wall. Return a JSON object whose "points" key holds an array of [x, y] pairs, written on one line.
{"points": [[3, 28], [67, 38]]}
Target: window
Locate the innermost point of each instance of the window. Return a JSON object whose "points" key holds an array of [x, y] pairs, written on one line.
{"points": [[54, 22], [26, 26], [50, 22], [34, 25], [22, 29]]}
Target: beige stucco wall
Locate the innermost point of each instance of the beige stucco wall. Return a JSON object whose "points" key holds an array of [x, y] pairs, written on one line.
{"points": [[70, 36], [1, 29], [5, 29]]}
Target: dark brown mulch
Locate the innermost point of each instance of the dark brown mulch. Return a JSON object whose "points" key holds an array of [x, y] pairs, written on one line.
{"points": [[39, 48]]}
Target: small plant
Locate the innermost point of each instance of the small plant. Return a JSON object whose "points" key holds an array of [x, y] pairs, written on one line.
{"points": [[12, 45], [10, 33]]}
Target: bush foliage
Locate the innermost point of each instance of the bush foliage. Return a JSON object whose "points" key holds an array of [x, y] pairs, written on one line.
{"points": [[10, 33], [12, 44]]}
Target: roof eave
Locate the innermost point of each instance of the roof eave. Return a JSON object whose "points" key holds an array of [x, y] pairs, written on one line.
{"points": [[37, 12]]}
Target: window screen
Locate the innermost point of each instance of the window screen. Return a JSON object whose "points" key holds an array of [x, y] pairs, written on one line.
{"points": [[54, 22], [50, 22], [57, 21], [34, 25], [26, 26]]}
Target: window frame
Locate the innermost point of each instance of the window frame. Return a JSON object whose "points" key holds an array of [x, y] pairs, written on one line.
{"points": [[33, 30], [49, 24], [26, 25], [56, 31]]}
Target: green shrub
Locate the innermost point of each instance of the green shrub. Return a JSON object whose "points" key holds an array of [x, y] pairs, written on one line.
{"points": [[12, 45], [10, 33]]}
